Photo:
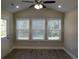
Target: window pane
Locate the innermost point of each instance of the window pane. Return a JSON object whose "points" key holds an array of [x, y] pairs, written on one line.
{"points": [[23, 34], [38, 24], [22, 28], [54, 25], [54, 29], [38, 29], [53, 35], [3, 28], [38, 34], [22, 24]]}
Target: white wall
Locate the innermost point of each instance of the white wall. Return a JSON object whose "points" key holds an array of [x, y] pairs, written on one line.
{"points": [[7, 42], [71, 32]]}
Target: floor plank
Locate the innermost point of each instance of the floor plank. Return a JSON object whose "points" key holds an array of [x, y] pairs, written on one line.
{"points": [[37, 54]]}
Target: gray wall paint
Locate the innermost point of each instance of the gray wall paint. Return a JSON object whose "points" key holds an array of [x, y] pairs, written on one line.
{"points": [[43, 13], [7, 42], [71, 32]]}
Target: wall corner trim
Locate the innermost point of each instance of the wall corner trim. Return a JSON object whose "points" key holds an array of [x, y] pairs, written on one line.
{"points": [[70, 54]]}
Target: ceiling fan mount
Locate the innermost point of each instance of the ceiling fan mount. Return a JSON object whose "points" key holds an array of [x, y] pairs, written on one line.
{"points": [[38, 4]]}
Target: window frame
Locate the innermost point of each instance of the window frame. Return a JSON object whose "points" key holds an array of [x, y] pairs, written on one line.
{"points": [[5, 28], [60, 38], [38, 30], [26, 29]]}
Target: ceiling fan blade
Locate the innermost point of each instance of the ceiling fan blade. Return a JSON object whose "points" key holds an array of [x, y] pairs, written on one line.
{"points": [[44, 6], [31, 6], [49, 1], [35, 0], [27, 1]]}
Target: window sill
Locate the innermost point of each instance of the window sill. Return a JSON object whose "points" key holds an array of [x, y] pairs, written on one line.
{"points": [[39, 40], [4, 38]]}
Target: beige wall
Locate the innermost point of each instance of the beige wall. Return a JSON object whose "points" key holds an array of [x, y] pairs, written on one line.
{"points": [[71, 32], [44, 13], [7, 42]]}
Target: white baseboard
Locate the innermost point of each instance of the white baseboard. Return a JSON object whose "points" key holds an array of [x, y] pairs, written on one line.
{"points": [[10, 50], [70, 54]]}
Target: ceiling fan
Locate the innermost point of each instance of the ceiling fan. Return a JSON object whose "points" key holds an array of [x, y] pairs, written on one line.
{"points": [[38, 4]]}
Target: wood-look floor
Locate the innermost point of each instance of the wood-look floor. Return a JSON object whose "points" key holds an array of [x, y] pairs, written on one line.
{"points": [[37, 54]]}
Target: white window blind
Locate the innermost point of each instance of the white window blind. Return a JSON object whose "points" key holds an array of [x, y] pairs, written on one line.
{"points": [[38, 29], [22, 29]]}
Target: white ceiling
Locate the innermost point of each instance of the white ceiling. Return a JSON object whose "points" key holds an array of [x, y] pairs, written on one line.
{"points": [[66, 5]]}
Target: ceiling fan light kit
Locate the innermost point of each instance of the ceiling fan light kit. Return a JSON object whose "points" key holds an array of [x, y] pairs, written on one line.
{"points": [[38, 6]]}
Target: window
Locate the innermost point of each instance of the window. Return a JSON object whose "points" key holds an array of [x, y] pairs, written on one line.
{"points": [[3, 28], [38, 29], [54, 29], [22, 29]]}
